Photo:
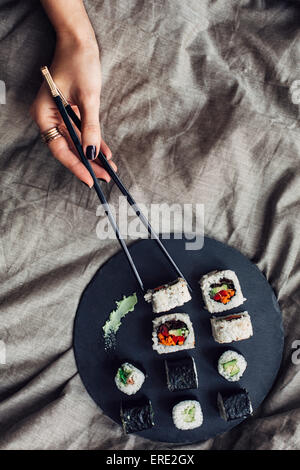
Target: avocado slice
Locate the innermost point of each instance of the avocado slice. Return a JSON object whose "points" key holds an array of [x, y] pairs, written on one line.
{"points": [[231, 367], [215, 290], [179, 332]]}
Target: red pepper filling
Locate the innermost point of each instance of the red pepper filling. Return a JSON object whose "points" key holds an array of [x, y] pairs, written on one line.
{"points": [[224, 296], [232, 317], [171, 340]]}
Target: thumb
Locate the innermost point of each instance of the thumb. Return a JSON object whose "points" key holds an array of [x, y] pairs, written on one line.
{"points": [[90, 127]]}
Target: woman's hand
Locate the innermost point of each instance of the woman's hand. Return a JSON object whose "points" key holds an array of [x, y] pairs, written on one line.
{"points": [[76, 71]]}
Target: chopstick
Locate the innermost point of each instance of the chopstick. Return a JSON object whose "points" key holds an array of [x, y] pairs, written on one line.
{"points": [[85, 161], [124, 190], [66, 110]]}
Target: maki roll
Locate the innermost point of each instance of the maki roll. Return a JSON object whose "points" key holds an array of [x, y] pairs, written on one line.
{"points": [[187, 415], [221, 291], [235, 405], [181, 374], [235, 327], [137, 416], [231, 366], [173, 332], [168, 296], [129, 379]]}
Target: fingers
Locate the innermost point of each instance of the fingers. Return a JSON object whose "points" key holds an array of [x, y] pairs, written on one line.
{"points": [[97, 163], [62, 152], [46, 115], [101, 173], [90, 125], [106, 150]]}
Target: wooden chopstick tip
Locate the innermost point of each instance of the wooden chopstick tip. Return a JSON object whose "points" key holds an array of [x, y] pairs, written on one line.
{"points": [[44, 69], [63, 98], [49, 80]]}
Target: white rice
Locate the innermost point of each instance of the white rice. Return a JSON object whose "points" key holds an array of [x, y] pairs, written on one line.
{"points": [[189, 341], [236, 329], [179, 417], [136, 376], [169, 296], [241, 363], [215, 277]]}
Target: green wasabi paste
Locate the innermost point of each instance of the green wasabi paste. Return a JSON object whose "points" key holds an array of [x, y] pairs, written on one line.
{"points": [[112, 325]]}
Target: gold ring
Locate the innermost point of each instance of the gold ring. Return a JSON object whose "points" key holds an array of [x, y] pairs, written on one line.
{"points": [[51, 134]]}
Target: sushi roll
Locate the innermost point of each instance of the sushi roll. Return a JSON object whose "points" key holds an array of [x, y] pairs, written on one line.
{"points": [[228, 328], [129, 379], [231, 366], [187, 415], [221, 291], [168, 296], [136, 416], [172, 332], [235, 405], [181, 374]]}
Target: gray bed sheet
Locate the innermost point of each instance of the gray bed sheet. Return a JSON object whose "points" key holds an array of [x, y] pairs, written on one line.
{"points": [[198, 106]]}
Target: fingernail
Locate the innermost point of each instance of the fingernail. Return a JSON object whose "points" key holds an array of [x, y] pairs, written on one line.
{"points": [[91, 152], [85, 184], [102, 179]]}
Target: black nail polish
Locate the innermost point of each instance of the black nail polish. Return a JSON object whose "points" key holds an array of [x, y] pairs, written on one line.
{"points": [[85, 184], [91, 152], [102, 179]]}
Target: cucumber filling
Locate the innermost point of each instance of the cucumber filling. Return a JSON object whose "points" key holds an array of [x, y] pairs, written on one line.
{"points": [[124, 375], [189, 414]]}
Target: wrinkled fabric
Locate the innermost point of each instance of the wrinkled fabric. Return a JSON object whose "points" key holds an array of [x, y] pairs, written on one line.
{"points": [[198, 107]]}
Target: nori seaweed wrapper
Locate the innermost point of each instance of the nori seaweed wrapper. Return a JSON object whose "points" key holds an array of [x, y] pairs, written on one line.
{"points": [[237, 405], [136, 416], [181, 374]]}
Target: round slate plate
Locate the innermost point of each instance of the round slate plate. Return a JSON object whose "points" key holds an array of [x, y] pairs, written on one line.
{"points": [[114, 279]]}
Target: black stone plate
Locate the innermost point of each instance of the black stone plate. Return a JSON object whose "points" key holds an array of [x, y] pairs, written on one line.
{"points": [[114, 279]]}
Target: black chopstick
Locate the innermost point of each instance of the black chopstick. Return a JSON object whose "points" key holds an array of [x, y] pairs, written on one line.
{"points": [[124, 191], [85, 161]]}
